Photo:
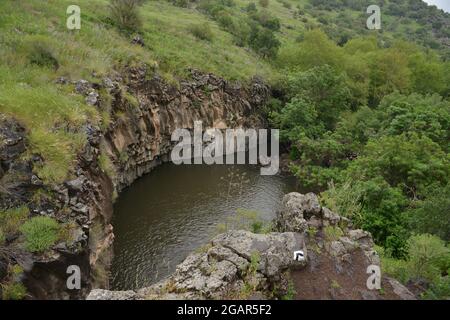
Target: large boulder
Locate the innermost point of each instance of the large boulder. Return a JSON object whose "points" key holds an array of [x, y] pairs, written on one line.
{"points": [[296, 209], [226, 268], [301, 211], [274, 251]]}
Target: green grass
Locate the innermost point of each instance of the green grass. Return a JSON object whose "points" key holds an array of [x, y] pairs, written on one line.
{"points": [[202, 31], [13, 291], [12, 219], [36, 49], [2, 237], [106, 165], [167, 34], [40, 233], [333, 233]]}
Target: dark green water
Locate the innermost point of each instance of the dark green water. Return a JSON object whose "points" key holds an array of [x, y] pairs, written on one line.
{"points": [[174, 210]]}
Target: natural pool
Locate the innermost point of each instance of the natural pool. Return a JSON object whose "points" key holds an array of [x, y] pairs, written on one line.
{"points": [[174, 210]]}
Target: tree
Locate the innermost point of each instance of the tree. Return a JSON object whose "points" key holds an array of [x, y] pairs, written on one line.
{"points": [[325, 88], [298, 118], [389, 72], [431, 213], [264, 42], [315, 50]]}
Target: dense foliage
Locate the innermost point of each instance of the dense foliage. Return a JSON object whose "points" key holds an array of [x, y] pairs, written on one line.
{"points": [[369, 126]]}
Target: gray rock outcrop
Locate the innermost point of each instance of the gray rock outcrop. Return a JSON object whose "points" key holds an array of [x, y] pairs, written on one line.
{"points": [[242, 265], [236, 264]]}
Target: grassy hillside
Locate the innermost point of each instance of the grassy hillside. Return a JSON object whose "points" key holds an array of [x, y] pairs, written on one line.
{"points": [[36, 48]]}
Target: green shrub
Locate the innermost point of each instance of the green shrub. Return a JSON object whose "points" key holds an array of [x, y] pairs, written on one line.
{"points": [[344, 200], [431, 215], [264, 3], [396, 268], [202, 31], [333, 233], [125, 14], [40, 53], [266, 20], [40, 233], [13, 291], [286, 4], [12, 219], [264, 42], [439, 290], [251, 8], [180, 3], [428, 257]]}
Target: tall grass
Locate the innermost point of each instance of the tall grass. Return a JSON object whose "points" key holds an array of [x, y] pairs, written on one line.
{"points": [[36, 48]]}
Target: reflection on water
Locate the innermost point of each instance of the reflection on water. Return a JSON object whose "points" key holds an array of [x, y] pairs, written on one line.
{"points": [[174, 210]]}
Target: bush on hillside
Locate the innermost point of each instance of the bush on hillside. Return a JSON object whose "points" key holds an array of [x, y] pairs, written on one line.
{"points": [[40, 233], [202, 31], [13, 291], [40, 53], [427, 259], [125, 14], [264, 3]]}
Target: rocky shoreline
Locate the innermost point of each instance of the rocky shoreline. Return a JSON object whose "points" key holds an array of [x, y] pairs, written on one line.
{"points": [[239, 264]]}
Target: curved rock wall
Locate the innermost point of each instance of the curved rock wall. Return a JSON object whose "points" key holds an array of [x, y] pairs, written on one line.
{"points": [[144, 110], [142, 133]]}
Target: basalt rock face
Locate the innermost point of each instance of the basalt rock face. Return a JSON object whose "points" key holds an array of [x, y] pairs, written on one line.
{"points": [[74, 202], [15, 174], [144, 111], [242, 265], [140, 138]]}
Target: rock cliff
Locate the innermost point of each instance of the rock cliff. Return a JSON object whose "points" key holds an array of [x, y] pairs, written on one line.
{"points": [[144, 110]]}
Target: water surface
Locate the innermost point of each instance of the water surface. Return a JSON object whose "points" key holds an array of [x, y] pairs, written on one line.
{"points": [[174, 210]]}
